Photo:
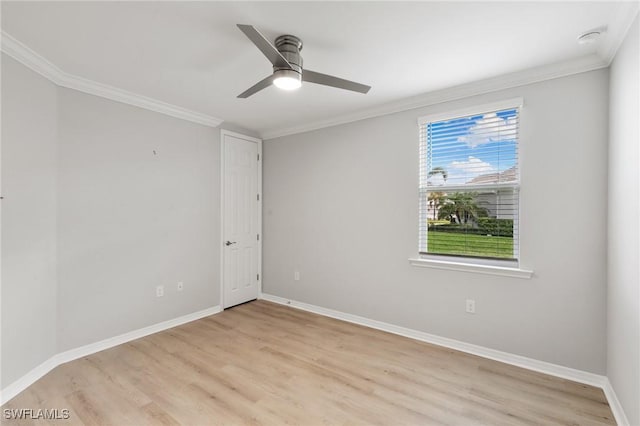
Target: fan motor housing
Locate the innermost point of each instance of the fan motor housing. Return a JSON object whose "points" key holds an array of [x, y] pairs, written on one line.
{"points": [[290, 46]]}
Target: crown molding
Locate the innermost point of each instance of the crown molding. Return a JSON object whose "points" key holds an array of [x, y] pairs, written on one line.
{"points": [[31, 59], [619, 24], [47, 69], [622, 19], [506, 81]]}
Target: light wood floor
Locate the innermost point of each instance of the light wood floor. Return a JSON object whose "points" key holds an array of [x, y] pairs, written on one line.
{"points": [[263, 363]]}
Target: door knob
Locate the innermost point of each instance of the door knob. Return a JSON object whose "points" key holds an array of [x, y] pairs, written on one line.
{"points": [[228, 243]]}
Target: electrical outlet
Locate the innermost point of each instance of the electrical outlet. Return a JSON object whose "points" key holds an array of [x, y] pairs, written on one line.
{"points": [[471, 306], [160, 291], [296, 276], [180, 286]]}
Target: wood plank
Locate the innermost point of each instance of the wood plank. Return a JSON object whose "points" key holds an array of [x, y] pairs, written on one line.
{"points": [[263, 363]]}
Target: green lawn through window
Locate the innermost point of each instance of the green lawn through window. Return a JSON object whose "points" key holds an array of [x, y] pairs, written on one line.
{"points": [[469, 244]]}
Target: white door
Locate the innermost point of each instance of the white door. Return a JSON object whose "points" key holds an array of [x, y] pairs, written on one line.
{"points": [[240, 219]]}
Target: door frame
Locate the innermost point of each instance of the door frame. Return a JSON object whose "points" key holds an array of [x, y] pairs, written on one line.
{"points": [[224, 133]]}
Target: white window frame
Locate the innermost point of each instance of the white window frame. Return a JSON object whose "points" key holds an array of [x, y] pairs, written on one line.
{"points": [[510, 268]]}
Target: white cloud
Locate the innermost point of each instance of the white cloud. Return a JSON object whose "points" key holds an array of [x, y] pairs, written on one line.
{"points": [[490, 128], [462, 171], [473, 166], [459, 172]]}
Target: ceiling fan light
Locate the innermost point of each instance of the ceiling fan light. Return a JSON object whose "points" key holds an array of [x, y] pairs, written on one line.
{"points": [[287, 80]]}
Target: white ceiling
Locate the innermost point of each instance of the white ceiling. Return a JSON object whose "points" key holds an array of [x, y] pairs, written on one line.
{"points": [[192, 55]]}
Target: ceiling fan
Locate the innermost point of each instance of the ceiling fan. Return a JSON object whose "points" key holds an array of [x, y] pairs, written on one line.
{"points": [[288, 73]]}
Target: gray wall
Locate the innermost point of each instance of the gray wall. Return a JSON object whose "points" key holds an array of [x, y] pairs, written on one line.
{"points": [[623, 319], [28, 220], [129, 219], [341, 206], [93, 220]]}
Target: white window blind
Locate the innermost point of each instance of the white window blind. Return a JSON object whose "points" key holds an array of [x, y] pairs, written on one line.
{"points": [[469, 183]]}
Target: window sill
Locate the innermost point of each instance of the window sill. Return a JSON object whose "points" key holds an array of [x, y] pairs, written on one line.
{"points": [[468, 267]]}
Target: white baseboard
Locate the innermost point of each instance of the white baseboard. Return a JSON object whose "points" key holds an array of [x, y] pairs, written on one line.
{"points": [[508, 358], [614, 404], [32, 376], [92, 348], [27, 380]]}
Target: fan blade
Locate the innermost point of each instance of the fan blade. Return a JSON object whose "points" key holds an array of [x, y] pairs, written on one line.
{"points": [[266, 82], [265, 46], [329, 80]]}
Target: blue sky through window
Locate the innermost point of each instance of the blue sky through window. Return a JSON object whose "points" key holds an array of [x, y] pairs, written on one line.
{"points": [[475, 149]]}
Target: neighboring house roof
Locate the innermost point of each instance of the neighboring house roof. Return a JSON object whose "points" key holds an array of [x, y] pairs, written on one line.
{"points": [[508, 175]]}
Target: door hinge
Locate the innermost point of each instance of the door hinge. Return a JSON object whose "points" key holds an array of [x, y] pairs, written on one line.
{"points": [[258, 157], [258, 237], [258, 197], [258, 277]]}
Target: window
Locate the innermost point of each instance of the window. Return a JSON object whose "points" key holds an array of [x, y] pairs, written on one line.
{"points": [[469, 183]]}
